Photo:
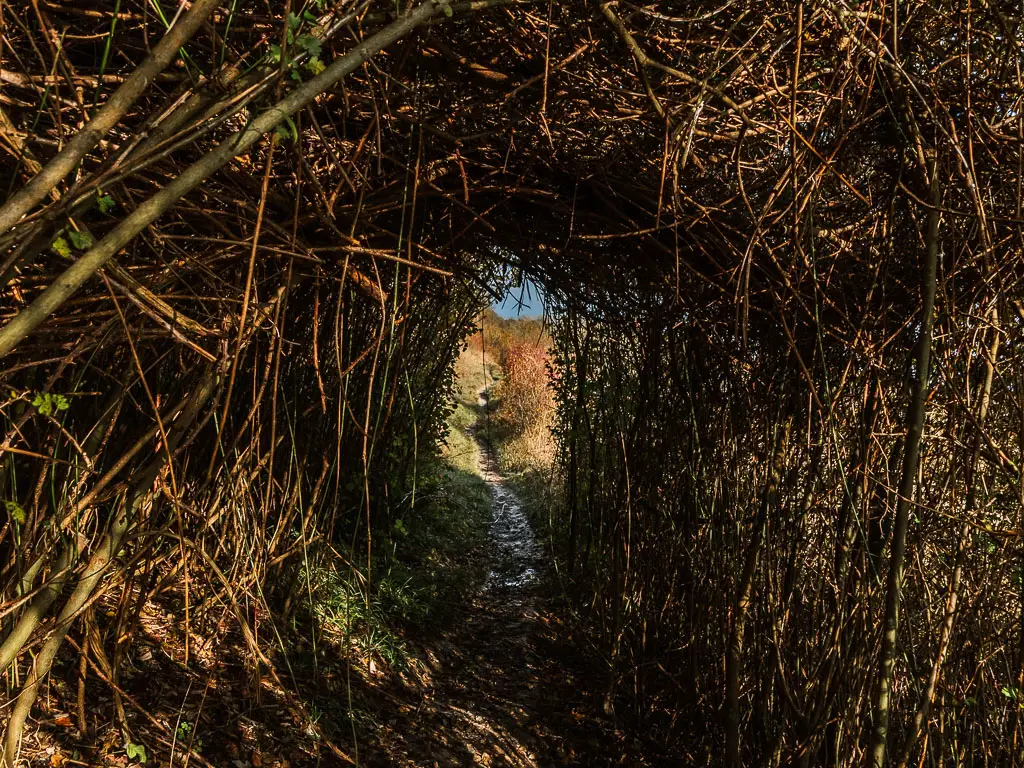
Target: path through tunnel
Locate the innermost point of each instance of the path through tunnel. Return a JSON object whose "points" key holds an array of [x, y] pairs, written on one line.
{"points": [[243, 249]]}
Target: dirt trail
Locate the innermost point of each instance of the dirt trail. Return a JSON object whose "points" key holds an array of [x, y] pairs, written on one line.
{"points": [[518, 556], [507, 688]]}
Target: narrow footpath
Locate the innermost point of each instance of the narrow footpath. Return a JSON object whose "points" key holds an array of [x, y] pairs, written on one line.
{"points": [[507, 686]]}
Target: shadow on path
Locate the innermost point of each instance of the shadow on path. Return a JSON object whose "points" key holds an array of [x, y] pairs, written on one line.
{"points": [[506, 686]]}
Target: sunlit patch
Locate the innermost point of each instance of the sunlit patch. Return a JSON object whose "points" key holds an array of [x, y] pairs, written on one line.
{"points": [[518, 553]]}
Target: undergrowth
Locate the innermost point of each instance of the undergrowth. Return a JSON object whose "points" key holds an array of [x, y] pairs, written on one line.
{"points": [[522, 414], [426, 567], [421, 579]]}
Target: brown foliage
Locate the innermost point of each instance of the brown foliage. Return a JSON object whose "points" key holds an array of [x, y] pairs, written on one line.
{"points": [[523, 392]]}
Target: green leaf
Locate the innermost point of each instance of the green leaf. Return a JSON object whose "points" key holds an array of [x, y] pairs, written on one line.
{"points": [[287, 130], [15, 511], [309, 16], [135, 751], [43, 403], [48, 404], [60, 245], [82, 241], [275, 53], [294, 22], [309, 44], [315, 66], [106, 203], [400, 528]]}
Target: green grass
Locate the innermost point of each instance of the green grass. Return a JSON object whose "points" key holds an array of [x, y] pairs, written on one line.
{"points": [[423, 572], [371, 625], [474, 372], [461, 451], [451, 524], [423, 576]]}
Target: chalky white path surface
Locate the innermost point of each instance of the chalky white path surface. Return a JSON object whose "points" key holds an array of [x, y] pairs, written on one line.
{"points": [[519, 554]]}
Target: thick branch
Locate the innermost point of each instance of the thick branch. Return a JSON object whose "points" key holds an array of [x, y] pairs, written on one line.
{"points": [[106, 118], [73, 278]]}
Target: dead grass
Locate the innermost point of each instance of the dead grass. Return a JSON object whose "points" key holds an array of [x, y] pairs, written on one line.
{"points": [[533, 449]]}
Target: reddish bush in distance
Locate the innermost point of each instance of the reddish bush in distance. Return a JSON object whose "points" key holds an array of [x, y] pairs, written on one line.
{"points": [[523, 393]]}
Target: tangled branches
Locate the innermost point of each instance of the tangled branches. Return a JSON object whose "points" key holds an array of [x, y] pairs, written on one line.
{"points": [[271, 242]]}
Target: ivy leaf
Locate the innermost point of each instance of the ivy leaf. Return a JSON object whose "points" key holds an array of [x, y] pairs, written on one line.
{"points": [[81, 240], [106, 203], [309, 44], [15, 511], [135, 751], [60, 245]]}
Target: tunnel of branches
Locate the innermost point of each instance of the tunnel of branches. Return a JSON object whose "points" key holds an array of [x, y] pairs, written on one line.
{"points": [[781, 249]]}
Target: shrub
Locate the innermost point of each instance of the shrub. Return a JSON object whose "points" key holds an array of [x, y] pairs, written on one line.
{"points": [[523, 393]]}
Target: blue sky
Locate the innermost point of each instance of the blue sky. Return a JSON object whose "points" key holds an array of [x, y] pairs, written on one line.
{"points": [[532, 302]]}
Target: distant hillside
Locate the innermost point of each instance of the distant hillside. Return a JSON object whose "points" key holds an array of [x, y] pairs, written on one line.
{"points": [[499, 334]]}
